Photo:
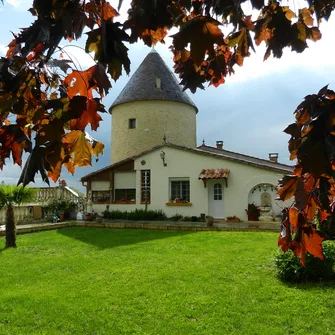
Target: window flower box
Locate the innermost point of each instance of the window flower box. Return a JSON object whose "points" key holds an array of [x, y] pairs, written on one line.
{"points": [[178, 204]]}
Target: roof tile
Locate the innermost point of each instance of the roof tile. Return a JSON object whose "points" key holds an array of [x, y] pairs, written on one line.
{"points": [[214, 173], [142, 84]]}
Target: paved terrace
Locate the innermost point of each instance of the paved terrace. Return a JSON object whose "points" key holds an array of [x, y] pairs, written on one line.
{"points": [[153, 225]]}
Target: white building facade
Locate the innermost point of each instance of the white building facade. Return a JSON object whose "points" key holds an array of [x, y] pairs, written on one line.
{"points": [[155, 163]]}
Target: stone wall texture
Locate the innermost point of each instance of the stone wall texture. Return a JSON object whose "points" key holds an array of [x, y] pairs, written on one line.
{"points": [[154, 119]]}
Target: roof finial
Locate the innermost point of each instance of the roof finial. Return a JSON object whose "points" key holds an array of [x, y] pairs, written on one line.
{"points": [[203, 141], [164, 139], [153, 50]]}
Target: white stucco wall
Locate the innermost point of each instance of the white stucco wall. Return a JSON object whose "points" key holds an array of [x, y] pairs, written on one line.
{"points": [[154, 119], [242, 179], [181, 163]]}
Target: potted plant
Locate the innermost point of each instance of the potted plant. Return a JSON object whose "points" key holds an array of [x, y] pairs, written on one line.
{"points": [[57, 208], [253, 212], [90, 216], [233, 219], [209, 221], [62, 183]]}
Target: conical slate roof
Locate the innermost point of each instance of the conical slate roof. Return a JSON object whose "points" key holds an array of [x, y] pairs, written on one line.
{"points": [[143, 84]]}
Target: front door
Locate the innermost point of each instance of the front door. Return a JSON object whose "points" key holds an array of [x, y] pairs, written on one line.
{"points": [[216, 200]]}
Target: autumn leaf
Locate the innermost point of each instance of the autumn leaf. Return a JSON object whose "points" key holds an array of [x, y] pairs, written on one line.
{"points": [[202, 33], [311, 209], [309, 240], [108, 47], [34, 164], [97, 146], [306, 16], [78, 147], [98, 149], [108, 12], [313, 34], [84, 82], [288, 186], [323, 215], [293, 129], [313, 242], [293, 217], [69, 165], [149, 20], [242, 42], [13, 141], [49, 131], [88, 115], [54, 154]]}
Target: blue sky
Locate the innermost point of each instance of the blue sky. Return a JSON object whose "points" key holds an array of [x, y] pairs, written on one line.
{"points": [[248, 112]]}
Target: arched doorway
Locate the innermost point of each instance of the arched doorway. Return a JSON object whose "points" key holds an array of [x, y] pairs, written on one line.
{"points": [[264, 195]]}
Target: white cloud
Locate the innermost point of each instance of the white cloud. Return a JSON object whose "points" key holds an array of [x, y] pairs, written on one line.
{"points": [[3, 49], [14, 3], [20, 5], [77, 54]]}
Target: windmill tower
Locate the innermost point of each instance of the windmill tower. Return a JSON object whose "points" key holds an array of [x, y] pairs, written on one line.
{"points": [[150, 108]]}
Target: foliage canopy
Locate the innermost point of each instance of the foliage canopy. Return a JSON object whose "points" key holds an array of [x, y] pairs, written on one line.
{"points": [[54, 102]]}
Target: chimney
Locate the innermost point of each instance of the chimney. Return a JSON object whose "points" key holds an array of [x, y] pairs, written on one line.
{"points": [[273, 157], [219, 145]]}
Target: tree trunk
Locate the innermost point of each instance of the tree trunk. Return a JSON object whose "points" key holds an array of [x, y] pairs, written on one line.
{"points": [[10, 227]]}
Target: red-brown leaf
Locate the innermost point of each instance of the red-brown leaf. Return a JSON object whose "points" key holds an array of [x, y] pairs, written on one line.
{"points": [[84, 82], [88, 115], [202, 33], [288, 186], [293, 216]]}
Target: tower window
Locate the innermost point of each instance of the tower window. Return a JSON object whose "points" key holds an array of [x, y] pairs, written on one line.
{"points": [[158, 82], [132, 123]]}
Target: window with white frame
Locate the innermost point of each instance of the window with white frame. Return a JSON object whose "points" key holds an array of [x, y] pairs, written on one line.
{"points": [[101, 197], [179, 189], [125, 195]]}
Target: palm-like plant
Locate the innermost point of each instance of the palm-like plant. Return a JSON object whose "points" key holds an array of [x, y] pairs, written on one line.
{"points": [[11, 195]]}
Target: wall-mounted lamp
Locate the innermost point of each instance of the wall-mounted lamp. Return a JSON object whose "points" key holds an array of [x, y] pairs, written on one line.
{"points": [[163, 157]]}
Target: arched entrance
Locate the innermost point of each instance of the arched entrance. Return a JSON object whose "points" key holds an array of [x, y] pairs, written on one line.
{"points": [[264, 195]]}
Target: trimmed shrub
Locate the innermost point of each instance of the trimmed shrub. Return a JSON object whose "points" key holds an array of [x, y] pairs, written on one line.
{"points": [[176, 217], [137, 214], [289, 268]]}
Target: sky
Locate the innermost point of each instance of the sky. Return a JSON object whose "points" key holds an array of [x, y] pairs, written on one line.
{"points": [[248, 113]]}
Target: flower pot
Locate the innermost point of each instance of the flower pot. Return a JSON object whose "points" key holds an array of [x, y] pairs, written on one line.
{"points": [[252, 217], [210, 221], [233, 220], [89, 217]]}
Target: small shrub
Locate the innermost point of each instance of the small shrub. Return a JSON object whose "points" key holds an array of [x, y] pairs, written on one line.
{"points": [[176, 217], [137, 214], [289, 268], [187, 218]]}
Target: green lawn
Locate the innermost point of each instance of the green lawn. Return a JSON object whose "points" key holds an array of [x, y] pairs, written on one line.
{"points": [[100, 281]]}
